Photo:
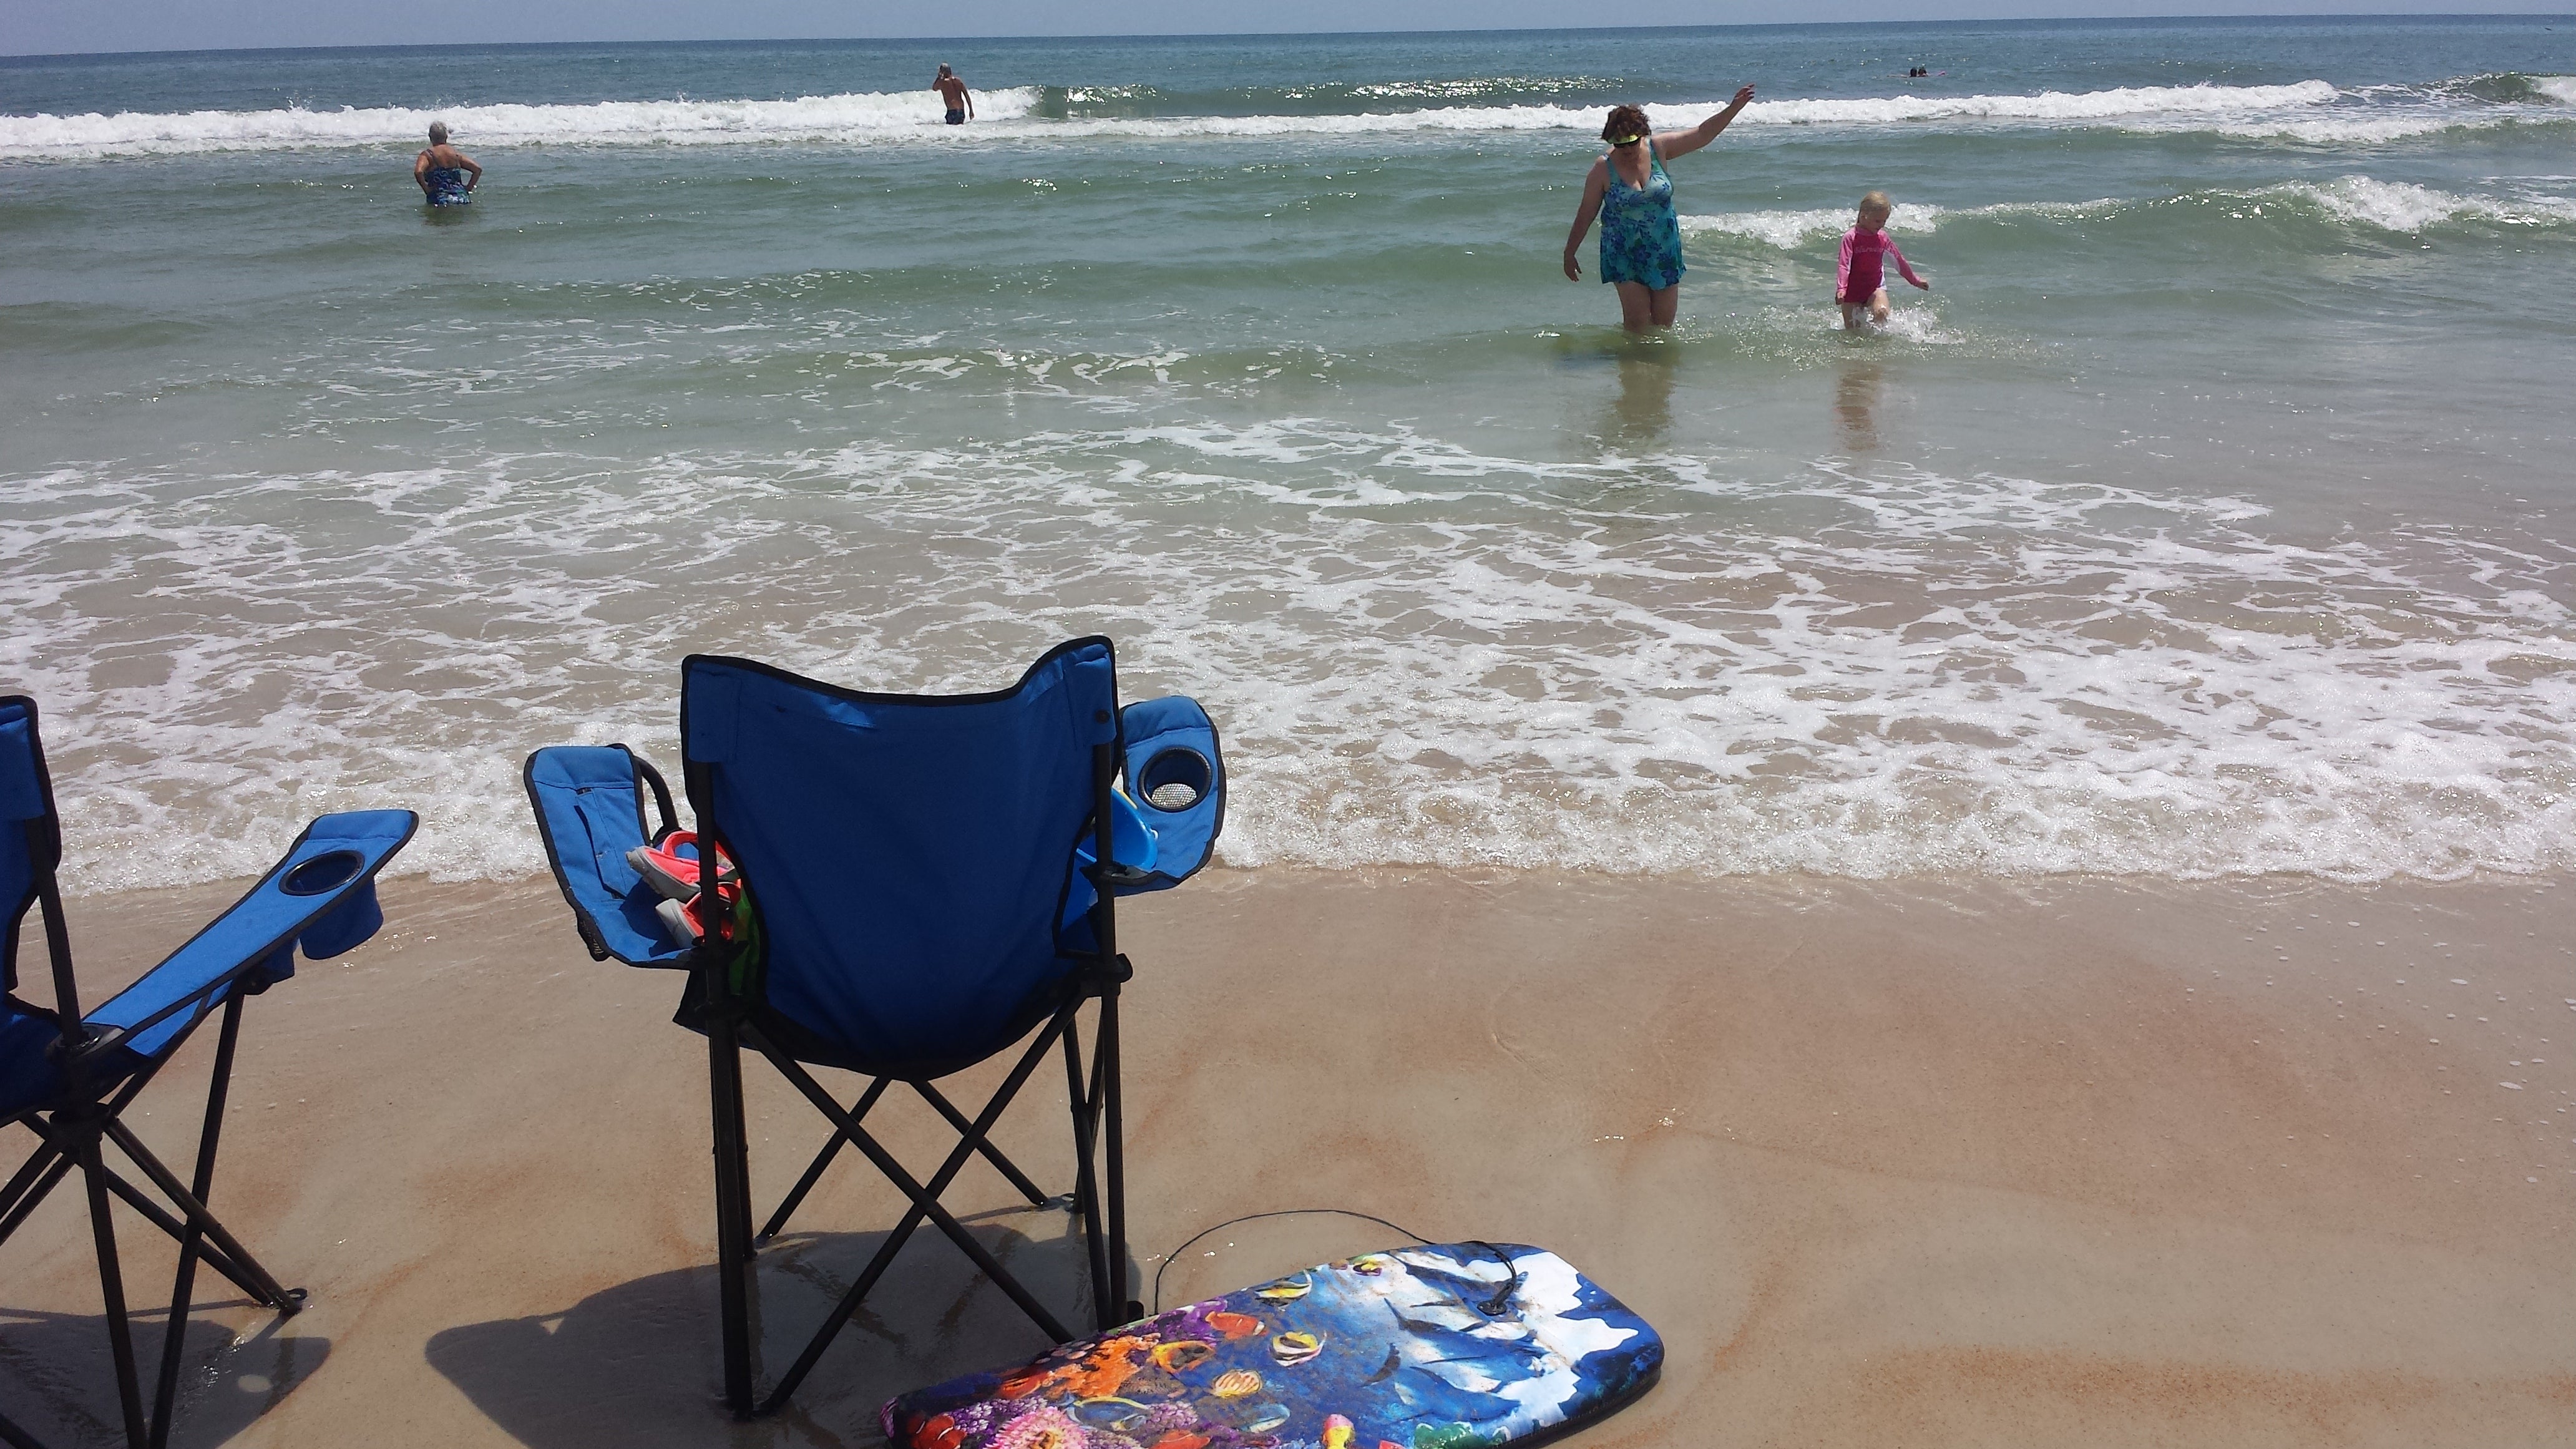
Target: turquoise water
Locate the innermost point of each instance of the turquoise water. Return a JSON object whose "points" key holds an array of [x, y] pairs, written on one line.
{"points": [[2213, 514]]}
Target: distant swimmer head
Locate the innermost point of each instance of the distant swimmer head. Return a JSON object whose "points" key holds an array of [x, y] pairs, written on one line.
{"points": [[438, 133], [1626, 126]]}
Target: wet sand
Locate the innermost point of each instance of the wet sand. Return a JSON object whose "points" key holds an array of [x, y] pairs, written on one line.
{"points": [[1923, 1163]]}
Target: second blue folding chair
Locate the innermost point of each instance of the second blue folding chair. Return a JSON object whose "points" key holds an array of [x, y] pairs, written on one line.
{"points": [[68, 1074], [907, 885]]}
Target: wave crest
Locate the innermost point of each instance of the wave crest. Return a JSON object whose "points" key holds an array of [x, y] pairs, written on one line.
{"points": [[132, 133], [2389, 206], [1032, 113]]}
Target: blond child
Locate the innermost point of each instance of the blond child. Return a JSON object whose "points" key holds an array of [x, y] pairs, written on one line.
{"points": [[1858, 288]]}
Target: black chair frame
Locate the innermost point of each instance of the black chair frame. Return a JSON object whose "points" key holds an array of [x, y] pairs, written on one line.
{"points": [[76, 1137], [733, 1020]]}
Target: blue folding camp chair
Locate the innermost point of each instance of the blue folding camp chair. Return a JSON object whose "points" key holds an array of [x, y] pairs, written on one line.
{"points": [[69, 1084], [919, 890]]}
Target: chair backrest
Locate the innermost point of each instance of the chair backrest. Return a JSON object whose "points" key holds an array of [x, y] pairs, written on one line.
{"points": [[31, 842], [908, 855]]}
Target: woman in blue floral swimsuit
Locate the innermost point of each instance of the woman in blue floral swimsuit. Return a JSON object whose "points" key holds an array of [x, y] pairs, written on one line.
{"points": [[445, 175], [1641, 236]]}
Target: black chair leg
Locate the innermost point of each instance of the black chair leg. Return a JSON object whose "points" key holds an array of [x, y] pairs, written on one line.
{"points": [[1117, 1308], [733, 1208], [111, 1287], [1085, 1092], [174, 1336]]}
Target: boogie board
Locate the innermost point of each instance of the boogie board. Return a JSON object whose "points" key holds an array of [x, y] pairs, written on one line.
{"points": [[1456, 1346]]}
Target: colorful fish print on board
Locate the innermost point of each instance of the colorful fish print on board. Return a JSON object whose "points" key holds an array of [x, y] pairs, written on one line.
{"points": [[1457, 1346]]}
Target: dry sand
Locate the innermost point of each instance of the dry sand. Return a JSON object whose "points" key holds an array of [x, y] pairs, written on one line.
{"points": [[1927, 1163]]}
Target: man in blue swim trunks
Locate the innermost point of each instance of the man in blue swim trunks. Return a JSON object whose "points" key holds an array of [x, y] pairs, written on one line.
{"points": [[961, 102], [446, 175]]}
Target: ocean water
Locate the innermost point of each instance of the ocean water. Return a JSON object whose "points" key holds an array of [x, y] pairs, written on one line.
{"points": [[2214, 513]]}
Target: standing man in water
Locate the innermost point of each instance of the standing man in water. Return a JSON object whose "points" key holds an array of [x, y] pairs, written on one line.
{"points": [[961, 102], [446, 176]]}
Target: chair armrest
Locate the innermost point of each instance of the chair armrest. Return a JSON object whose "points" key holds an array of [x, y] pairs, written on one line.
{"points": [[1176, 775], [589, 802], [321, 892]]}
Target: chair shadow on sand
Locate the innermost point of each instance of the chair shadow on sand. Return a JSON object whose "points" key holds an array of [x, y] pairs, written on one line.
{"points": [[58, 1378], [638, 1364]]}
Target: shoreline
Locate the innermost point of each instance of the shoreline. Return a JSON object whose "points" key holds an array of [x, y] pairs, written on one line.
{"points": [[1931, 1161]]}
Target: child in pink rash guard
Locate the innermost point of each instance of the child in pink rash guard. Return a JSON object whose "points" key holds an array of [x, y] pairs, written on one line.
{"points": [[1858, 288]]}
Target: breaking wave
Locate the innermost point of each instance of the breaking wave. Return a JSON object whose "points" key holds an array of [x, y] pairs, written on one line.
{"points": [[2311, 110], [2386, 206]]}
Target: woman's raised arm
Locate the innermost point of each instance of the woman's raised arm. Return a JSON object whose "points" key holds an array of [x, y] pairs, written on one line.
{"points": [[1682, 143]]}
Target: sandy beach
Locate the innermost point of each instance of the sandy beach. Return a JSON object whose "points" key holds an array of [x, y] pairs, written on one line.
{"points": [[2002, 878], [1920, 1163]]}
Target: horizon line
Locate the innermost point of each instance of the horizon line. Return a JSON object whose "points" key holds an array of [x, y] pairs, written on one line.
{"points": [[1105, 36]]}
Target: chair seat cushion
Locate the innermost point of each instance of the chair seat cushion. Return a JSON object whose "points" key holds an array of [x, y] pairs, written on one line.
{"points": [[28, 1076], [1444, 1347]]}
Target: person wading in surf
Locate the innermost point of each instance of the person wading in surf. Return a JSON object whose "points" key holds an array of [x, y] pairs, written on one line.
{"points": [[445, 175], [1641, 235], [1860, 275], [961, 102]]}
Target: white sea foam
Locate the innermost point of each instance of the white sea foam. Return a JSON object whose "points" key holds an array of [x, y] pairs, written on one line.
{"points": [[1789, 230], [1420, 652], [677, 122], [2403, 207], [860, 118], [2358, 129], [2394, 206], [2120, 103], [2559, 88]]}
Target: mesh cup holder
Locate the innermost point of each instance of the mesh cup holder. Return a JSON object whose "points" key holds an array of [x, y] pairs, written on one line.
{"points": [[323, 873], [1175, 779]]}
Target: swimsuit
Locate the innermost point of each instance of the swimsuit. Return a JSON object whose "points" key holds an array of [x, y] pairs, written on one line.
{"points": [[446, 186], [1858, 276], [1641, 237], [956, 116]]}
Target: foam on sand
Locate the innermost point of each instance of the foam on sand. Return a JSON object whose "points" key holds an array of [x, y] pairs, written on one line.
{"points": [[1828, 672]]}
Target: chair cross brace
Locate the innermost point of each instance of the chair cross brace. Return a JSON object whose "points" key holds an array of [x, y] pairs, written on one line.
{"points": [[1093, 1105], [57, 1161], [858, 1112], [924, 1198], [76, 1139]]}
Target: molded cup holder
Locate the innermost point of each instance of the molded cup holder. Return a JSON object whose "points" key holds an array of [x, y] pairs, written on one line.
{"points": [[1175, 779], [323, 874]]}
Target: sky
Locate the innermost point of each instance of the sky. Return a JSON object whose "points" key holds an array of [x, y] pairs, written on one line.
{"points": [[49, 27]]}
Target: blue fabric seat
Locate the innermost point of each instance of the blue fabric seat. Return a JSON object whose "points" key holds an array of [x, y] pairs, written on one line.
{"points": [[925, 892], [69, 1088]]}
